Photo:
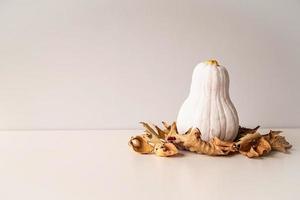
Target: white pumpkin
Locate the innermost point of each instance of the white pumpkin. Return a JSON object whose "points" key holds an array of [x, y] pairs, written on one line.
{"points": [[208, 106]]}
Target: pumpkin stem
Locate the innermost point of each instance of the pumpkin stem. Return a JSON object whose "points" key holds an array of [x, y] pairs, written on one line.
{"points": [[212, 62]]}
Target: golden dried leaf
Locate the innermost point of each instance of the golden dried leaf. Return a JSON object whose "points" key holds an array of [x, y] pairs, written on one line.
{"points": [[161, 133], [173, 129], [148, 128], [277, 142], [192, 141], [224, 145], [139, 144], [165, 149], [153, 141], [244, 131], [253, 145], [166, 125], [152, 136], [263, 146], [250, 154], [246, 142]]}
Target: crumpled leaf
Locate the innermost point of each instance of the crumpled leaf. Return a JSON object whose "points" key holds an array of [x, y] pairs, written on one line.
{"points": [[251, 153], [226, 146], [263, 146], [253, 145], [244, 131], [163, 132], [153, 142], [165, 149], [152, 136], [277, 142], [192, 141], [139, 144], [166, 125]]}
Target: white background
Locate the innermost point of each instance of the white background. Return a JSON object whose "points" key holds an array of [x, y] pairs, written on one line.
{"points": [[70, 64]]}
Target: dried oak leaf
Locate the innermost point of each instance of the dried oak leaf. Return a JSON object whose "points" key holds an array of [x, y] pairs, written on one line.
{"points": [[139, 144], [277, 142], [153, 142], [151, 135], [192, 141], [166, 125], [244, 131], [253, 145], [165, 149]]}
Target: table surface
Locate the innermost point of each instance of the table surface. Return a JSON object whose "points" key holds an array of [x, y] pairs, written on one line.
{"points": [[90, 165]]}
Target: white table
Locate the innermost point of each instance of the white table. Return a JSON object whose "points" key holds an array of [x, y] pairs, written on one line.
{"points": [[98, 165]]}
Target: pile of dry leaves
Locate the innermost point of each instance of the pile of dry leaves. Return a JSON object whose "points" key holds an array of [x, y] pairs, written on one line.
{"points": [[167, 142]]}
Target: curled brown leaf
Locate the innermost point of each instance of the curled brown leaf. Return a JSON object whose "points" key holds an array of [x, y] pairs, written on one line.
{"points": [[244, 131], [253, 145], [192, 141], [165, 149], [140, 144], [277, 142]]}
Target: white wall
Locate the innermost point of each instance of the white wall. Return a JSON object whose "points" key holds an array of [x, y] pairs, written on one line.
{"points": [[71, 64]]}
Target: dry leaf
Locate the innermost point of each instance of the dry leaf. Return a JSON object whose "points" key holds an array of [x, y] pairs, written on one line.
{"points": [[246, 141], [253, 145], [165, 149], [250, 154], [166, 125], [277, 141], [263, 146], [153, 142], [161, 133], [192, 141], [152, 136], [244, 131], [139, 144]]}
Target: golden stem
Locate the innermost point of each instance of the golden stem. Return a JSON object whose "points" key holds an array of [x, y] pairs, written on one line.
{"points": [[212, 62]]}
